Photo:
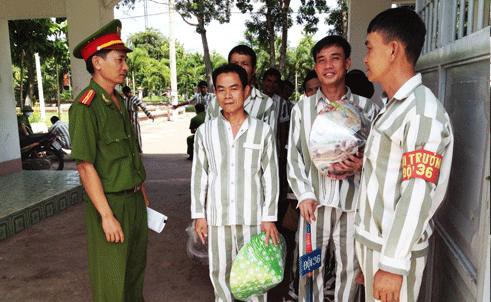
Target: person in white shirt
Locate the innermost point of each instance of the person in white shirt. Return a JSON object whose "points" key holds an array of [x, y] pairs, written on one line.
{"points": [[234, 182], [257, 104], [406, 164]]}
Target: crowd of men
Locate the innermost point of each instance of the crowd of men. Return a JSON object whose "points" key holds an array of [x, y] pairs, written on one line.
{"points": [[252, 170]]}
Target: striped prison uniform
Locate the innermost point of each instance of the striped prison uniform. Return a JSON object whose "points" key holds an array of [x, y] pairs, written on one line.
{"points": [[133, 104], [257, 105], [234, 185], [204, 99], [336, 214], [60, 130], [410, 142]]}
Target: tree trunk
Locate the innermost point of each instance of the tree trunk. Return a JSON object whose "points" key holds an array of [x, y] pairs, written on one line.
{"points": [[284, 34], [271, 36], [30, 79], [21, 92], [206, 52]]}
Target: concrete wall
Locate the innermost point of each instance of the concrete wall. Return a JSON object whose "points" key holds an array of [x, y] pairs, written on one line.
{"points": [[458, 74], [84, 18], [361, 12], [9, 138]]}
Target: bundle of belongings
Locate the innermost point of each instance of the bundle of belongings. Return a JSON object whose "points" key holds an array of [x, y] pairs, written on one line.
{"points": [[339, 130], [257, 267]]}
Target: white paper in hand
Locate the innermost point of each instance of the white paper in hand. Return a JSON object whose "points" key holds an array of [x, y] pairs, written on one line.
{"points": [[156, 220]]}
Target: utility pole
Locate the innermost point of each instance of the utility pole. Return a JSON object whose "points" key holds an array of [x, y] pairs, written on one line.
{"points": [[145, 13], [172, 54]]}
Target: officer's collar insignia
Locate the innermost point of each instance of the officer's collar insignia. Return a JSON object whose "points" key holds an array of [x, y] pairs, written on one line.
{"points": [[87, 97], [106, 100]]}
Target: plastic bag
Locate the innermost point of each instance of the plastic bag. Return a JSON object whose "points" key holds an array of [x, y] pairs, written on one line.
{"points": [[195, 249], [257, 267], [339, 131]]}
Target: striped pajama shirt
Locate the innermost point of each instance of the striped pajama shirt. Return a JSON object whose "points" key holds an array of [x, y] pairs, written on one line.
{"points": [[133, 104], [234, 185], [204, 99], [404, 179], [258, 105], [337, 198]]}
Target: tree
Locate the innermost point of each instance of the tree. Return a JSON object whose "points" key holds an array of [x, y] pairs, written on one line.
{"points": [[338, 18], [149, 61], [204, 11], [46, 37], [274, 17], [198, 13]]}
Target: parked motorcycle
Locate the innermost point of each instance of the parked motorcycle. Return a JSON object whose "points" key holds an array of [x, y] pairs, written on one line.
{"points": [[42, 152]]}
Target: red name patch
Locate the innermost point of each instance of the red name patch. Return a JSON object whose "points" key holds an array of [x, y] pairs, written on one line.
{"points": [[421, 164]]}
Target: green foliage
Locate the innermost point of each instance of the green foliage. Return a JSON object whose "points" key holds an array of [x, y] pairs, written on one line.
{"points": [[204, 11], [338, 18], [149, 66], [46, 37]]}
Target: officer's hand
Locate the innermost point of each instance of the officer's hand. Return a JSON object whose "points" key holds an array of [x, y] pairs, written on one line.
{"points": [[387, 286], [307, 209], [201, 229], [270, 229], [112, 229]]}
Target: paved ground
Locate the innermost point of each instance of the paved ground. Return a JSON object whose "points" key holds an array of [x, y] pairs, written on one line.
{"points": [[48, 262]]}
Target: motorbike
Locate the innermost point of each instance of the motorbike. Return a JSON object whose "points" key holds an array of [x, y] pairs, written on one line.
{"points": [[42, 152]]}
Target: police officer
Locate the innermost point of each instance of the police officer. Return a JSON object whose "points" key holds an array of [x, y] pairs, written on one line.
{"points": [[105, 149]]}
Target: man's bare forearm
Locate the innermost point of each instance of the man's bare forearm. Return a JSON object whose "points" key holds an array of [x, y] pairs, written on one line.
{"points": [[93, 186]]}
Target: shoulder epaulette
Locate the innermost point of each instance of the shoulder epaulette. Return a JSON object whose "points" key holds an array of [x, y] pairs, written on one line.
{"points": [[87, 97]]}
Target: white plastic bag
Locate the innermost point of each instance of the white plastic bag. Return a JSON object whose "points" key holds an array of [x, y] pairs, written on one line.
{"points": [[338, 132], [195, 249]]}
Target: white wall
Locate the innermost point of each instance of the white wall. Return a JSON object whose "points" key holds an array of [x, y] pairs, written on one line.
{"points": [[84, 18], [361, 12], [9, 137]]}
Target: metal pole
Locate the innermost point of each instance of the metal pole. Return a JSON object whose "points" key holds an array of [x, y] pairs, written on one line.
{"points": [[145, 13], [172, 55], [40, 86]]}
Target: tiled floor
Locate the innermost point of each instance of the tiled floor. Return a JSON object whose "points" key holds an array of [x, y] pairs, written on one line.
{"points": [[27, 197]]}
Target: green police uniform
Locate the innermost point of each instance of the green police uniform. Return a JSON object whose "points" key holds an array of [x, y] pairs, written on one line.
{"points": [[103, 135], [194, 124]]}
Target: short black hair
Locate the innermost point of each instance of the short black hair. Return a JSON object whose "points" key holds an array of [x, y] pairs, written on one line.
{"points": [[54, 119], [126, 90], [202, 84], [244, 50], [100, 53], [199, 108], [404, 25], [230, 68], [330, 41], [359, 84], [309, 76], [272, 72]]}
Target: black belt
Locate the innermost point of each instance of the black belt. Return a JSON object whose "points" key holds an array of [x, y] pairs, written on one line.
{"points": [[128, 191]]}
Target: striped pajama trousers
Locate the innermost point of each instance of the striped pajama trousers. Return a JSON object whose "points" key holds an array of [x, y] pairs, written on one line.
{"points": [[224, 242], [340, 225], [411, 283]]}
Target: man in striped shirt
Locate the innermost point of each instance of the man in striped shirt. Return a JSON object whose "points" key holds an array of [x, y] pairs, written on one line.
{"points": [[406, 164], [133, 104], [202, 96], [327, 203], [234, 182], [60, 130], [257, 104]]}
